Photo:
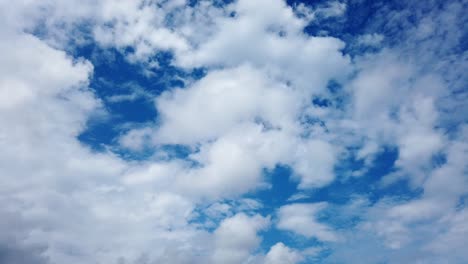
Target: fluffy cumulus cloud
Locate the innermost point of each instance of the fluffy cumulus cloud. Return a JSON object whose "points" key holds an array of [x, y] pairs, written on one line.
{"points": [[302, 219], [236, 238], [279, 253], [255, 132]]}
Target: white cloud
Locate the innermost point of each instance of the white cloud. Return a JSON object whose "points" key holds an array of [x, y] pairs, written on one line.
{"points": [[332, 9], [26, 76], [73, 205], [234, 163], [243, 122], [281, 254], [236, 238], [372, 40], [314, 163], [301, 218], [273, 38], [135, 92], [297, 196], [314, 14], [136, 139], [420, 229], [222, 100]]}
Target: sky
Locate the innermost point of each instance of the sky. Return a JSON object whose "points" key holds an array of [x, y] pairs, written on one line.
{"points": [[233, 131]]}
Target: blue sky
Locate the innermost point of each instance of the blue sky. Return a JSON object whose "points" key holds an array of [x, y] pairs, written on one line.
{"points": [[243, 132]]}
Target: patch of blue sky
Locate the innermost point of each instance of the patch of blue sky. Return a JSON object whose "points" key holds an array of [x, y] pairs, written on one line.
{"points": [[338, 194], [127, 93]]}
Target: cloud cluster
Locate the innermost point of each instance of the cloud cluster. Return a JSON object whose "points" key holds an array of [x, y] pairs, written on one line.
{"points": [[272, 96]]}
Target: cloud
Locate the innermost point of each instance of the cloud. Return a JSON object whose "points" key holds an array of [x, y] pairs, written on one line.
{"points": [[9, 254], [301, 218], [274, 35], [281, 254], [372, 40], [222, 100], [236, 238], [271, 95]]}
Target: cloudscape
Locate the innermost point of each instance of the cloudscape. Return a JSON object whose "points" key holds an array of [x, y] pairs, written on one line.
{"points": [[233, 131]]}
